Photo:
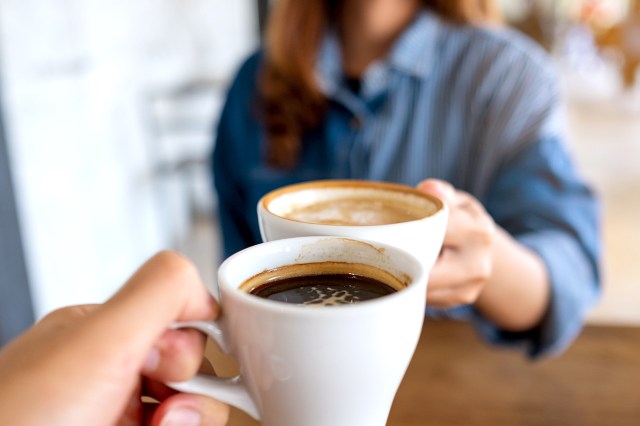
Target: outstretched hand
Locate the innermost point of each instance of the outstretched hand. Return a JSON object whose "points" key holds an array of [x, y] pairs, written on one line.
{"points": [[91, 364]]}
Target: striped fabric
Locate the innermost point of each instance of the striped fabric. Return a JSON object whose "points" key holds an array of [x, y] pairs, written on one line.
{"points": [[448, 94], [477, 107]]}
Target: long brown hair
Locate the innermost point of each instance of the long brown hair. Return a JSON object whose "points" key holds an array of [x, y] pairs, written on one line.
{"points": [[291, 101]]}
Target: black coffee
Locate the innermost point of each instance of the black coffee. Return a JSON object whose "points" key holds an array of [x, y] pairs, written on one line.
{"points": [[324, 289]]}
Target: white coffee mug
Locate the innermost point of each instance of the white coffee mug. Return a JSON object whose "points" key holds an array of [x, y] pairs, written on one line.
{"points": [[314, 366], [421, 233]]}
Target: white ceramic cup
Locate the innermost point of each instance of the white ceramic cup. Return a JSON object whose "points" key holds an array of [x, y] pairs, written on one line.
{"points": [[422, 235], [314, 366]]}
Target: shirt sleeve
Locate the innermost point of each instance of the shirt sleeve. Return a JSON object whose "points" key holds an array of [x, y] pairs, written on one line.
{"points": [[541, 201], [537, 195], [229, 165]]}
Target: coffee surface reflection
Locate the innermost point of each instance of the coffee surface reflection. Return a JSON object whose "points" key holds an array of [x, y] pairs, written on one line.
{"points": [[324, 290], [323, 284]]}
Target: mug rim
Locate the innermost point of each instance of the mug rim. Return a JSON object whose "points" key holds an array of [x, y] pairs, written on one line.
{"points": [[270, 196], [276, 246]]}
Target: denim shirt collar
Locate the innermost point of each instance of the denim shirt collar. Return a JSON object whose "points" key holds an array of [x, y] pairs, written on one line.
{"points": [[413, 54]]}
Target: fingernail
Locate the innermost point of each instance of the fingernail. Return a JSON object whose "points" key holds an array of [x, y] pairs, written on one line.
{"points": [[181, 417], [152, 361]]}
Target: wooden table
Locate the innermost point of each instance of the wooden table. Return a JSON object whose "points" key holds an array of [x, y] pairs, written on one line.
{"points": [[455, 379]]}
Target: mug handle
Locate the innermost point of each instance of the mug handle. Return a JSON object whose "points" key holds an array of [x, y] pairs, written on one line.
{"points": [[230, 390]]}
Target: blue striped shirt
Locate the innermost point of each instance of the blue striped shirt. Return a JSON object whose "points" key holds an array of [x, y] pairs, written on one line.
{"points": [[475, 106]]}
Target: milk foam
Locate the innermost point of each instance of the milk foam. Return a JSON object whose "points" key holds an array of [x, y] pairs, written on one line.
{"points": [[351, 206], [361, 211]]}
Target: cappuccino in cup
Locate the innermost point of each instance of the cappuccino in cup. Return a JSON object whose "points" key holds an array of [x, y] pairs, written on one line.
{"points": [[350, 203], [390, 213]]}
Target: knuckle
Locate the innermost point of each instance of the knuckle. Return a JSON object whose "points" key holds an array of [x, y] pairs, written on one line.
{"points": [[67, 314], [175, 264], [479, 270], [482, 272], [469, 295], [57, 315], [478, 274], [484, 231]]}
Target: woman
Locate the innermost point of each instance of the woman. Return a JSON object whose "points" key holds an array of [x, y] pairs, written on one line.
{"points": [[434, 94]]}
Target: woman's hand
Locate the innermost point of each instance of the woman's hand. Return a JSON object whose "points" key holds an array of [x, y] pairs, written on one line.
{"points": [[465, 263], [481, 264], [91, 364]]}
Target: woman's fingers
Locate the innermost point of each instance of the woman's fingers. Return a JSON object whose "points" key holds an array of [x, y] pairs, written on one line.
{"points": [[441, 189], [455, 281], [468, 221], [456, 267], [465, 262]]}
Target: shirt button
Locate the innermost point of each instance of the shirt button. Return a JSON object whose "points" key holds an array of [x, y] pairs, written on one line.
{"points": [[355, 123]]}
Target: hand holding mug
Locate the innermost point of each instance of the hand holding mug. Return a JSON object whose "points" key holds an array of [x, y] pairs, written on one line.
{"points": [[465, 263], [322, 365], [303, 359], [482, 264], [89, 365]]}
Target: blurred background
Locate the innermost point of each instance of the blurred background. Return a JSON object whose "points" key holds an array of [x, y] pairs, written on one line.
{"points": [[108, 110]]}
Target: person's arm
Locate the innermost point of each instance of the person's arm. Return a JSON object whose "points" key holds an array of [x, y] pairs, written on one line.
{"points": [[228, 161], [528, 266], [532, 277], [90, 365], [539, 199], [537, 196], [514, 304]]}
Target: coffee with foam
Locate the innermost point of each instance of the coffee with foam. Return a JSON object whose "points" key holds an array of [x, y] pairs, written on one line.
{"points": [[351, 204], [390, 213]]}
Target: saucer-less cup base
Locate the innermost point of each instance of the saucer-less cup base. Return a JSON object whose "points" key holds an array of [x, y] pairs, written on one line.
{"points": [[421, 237], [310, 366]]}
